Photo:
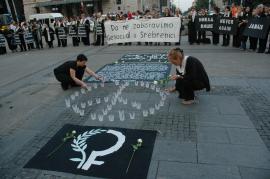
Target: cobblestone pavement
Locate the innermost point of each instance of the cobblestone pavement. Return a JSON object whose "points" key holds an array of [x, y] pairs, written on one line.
{"points": [[255, 103]]}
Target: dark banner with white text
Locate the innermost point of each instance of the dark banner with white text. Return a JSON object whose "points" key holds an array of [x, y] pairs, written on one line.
{"points": [[258, 28]]}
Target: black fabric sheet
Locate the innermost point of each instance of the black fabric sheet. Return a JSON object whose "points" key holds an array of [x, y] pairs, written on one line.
{"points": [[115, 164]]}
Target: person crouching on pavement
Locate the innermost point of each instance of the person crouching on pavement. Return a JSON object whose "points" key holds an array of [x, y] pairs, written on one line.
{"points": [[70, 73], [190, 75]]}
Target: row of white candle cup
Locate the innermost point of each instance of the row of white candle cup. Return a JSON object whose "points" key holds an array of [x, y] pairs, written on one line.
{"points": [[111, 117]]}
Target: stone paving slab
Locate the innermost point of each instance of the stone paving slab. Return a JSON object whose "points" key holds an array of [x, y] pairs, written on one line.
{"points": [[19, 138], [217, 120], [205, 105], [252, 173], [177, 170], [228, 154], [172, 151], [213, 135], [245, 136], [228, 81]]}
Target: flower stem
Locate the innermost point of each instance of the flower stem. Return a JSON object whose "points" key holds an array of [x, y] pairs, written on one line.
{"points": [[57, 148], [130, 160]]}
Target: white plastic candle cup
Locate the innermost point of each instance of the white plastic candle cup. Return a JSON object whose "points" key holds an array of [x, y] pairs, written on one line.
{"points": [[116, 82], [125, 101], [105, 112], [109, 107], [89, 88], [98, 100], [106, 99], [138, 106], [83, 91], [100, 117], [147, 85], [111, 118], [161, 103], [132, 115], [67, 101], [152, 111], [81, 112], [93, 116], [83, 105], [145, 113], [72, 97], [157, 107], [90, 102]]}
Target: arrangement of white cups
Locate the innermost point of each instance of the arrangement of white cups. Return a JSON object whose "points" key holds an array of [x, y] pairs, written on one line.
{"points": [[110, 101]]}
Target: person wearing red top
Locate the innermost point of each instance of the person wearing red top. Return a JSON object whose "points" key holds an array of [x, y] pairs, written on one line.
{"points": [[129, 15], [234, 10]]}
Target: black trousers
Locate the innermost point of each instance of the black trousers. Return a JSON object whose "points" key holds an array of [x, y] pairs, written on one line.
{"points": [[3, 50], [22, 45], [262, 45], [75, 41], [215, 37], [226, 39], [66, 79], [63, 42], [86, 40], [50, 44], [100, 40], [201, 36], [253, 43], [186, 88]]}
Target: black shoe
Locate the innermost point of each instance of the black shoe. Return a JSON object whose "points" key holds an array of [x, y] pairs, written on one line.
{"points": [[268, 52], [64, 86]]}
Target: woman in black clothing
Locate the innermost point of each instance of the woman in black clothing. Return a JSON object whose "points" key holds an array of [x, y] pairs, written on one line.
{"points": [[190, 75]]}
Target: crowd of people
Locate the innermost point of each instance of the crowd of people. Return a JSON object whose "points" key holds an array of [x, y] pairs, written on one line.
{"points": [[26, 36], [243, 14]]}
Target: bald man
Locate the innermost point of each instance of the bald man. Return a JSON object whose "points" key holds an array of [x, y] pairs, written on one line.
{"points": [[190, 75]]}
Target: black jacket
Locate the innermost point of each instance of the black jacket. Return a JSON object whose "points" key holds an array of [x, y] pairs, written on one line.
{"points": [[195, 72]]}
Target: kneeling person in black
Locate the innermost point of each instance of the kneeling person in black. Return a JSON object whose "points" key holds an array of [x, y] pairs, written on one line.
{"points": [[71, 73], [190, 75]]}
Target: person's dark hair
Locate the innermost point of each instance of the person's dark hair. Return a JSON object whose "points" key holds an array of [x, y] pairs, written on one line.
{"points": [[216, 9], [81, 57]]}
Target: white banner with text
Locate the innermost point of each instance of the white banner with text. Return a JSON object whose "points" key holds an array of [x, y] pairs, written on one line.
{"points": [[165, 29]]}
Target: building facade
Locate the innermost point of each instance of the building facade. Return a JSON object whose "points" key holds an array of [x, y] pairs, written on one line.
{"points": [[13, 7], [73, 7]]}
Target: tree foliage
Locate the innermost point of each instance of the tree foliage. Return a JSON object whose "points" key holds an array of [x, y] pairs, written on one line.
{"points": [[204, 4]]}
